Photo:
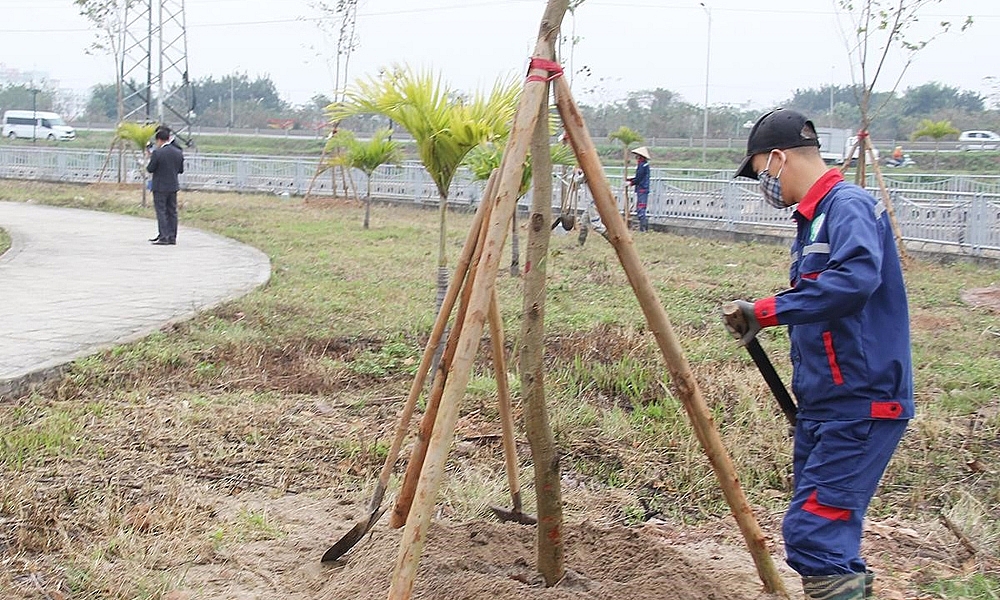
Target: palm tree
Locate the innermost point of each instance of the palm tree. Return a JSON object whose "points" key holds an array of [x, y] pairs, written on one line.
{"points": [[335, 157], [444, 125], [483, 159], [627, 137], [139, 135], [935, 130], [370, 155]]}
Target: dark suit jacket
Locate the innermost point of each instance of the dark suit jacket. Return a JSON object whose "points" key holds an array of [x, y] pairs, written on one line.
{"points": [[165, 163]]}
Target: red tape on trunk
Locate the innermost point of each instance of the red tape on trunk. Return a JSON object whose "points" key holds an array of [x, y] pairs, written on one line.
{"points": [[554, 69]]}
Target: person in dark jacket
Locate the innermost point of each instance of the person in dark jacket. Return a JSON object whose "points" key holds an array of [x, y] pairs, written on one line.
{"points": [[846, 312], [641, 184], [166, 162]]}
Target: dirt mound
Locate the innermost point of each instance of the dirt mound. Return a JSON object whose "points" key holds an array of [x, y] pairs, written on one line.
{"points": [[988, 297], [489, 561]]}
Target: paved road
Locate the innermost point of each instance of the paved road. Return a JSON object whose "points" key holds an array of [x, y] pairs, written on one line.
{"points": [[75, 282]]}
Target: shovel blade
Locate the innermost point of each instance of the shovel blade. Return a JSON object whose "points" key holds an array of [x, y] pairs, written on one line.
{"points": [[352, 537], [513, 516]]}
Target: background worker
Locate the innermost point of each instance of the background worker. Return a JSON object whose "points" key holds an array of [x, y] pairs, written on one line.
{"points": [[897, 157], [641, 183], [848, 323]]}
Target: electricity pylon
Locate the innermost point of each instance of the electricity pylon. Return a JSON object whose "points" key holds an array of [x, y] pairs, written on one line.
{"points": [[155, 85]]}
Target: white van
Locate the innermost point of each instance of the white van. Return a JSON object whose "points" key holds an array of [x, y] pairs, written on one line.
{"points": [[36, 125]]}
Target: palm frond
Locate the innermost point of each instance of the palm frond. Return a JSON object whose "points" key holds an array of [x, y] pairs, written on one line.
{"points": [[483, 159], [370, 155], [625, 135], [137, 133], [444, 125]]}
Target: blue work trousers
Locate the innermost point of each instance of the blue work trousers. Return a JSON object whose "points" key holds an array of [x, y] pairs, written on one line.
{"points": [[837, 467]]}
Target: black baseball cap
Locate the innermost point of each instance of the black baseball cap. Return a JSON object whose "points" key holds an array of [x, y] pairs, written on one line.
{"points": [[777, 130]]}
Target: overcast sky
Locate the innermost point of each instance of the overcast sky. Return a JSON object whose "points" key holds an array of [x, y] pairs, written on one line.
{"points": [[760, 51]]}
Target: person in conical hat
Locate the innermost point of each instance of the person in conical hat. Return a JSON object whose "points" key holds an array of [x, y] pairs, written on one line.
{"points": [[640, 181]]}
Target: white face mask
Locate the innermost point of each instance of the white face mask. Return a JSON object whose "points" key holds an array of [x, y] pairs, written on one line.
{"points": [[770, 185]]}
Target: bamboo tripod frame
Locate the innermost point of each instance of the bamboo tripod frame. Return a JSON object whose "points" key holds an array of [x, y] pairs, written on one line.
{"points": [[475, 307]]}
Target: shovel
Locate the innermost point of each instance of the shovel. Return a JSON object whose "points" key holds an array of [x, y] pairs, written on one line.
{"points": [[506, 421], [362, 527], [760, 358]]}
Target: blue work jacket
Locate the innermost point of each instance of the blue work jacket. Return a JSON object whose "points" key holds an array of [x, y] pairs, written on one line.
{"points": [[641, 178], [846, 310]]}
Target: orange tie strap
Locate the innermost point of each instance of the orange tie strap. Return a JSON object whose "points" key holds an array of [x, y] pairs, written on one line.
{"points": [[554, 69]]}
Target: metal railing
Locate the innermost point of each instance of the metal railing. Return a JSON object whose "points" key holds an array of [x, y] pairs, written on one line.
{"points": [[957, 214]]}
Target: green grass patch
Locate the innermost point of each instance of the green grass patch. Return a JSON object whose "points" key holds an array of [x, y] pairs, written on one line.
{"points": [[978, 586], [29, 435]]}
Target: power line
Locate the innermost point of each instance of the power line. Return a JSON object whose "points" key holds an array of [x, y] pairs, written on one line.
{"points": [[487, 3]]}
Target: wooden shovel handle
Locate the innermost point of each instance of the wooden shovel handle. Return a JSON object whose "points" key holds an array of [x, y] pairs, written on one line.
{"points": [[503, 397]]}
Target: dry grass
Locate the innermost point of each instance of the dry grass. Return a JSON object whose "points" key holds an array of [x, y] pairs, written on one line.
{"points": [[153, 458]]}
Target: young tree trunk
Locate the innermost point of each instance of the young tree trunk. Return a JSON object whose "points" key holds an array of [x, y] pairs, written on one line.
{"points": [[626, 200], [532, 359], [515, 247], [442, 269], [368, 205], [442, 250], [145, 180]]}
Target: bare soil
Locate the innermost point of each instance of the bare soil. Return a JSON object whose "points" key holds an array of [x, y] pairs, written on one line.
{"points": [[988, 297], [486, 560]]}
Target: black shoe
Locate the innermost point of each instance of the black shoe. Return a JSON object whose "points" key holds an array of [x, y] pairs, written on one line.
{"points": [[163, 243]]}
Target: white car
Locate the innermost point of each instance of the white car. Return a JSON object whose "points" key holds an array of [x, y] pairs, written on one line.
{"points": [[978, 140]]}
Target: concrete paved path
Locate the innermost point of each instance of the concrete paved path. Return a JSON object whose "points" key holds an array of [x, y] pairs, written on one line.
{"points": [[76, 281]]}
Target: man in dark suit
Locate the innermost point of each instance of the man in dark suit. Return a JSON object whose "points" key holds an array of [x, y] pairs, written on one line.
{"points": [[166, 162]]}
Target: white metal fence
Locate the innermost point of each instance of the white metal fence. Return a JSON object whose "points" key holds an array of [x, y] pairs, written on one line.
{"points": [[957, 214]]}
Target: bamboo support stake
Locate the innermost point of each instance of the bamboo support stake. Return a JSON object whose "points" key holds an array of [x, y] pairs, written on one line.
{"points": [[465, 274], [850, 156], [659, 325], [417, 523], [887, 201]]}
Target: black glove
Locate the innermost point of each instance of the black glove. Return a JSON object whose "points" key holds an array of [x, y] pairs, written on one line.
{"points": [[740, 320]]}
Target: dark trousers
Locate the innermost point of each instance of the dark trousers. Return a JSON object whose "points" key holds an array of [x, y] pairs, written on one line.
{"points": [[642, 198], [166, 214]]}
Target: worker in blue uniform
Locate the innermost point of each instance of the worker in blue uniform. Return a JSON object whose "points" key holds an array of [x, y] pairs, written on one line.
{"points": [[848, 323], [641, 184]]}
